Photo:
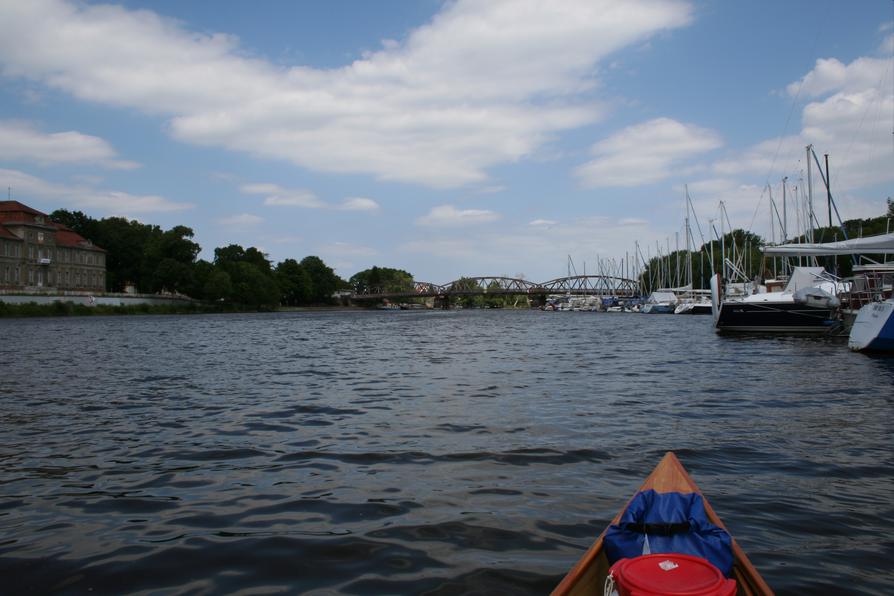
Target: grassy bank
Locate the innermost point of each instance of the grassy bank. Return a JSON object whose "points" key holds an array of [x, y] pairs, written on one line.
{"points": [[64, 309]]}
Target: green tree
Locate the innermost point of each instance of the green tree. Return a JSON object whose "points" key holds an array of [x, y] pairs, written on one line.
{"points": [[323, 279], [294, 282], [78, 222], [467, 284], [175, 244], [252, 287], [234, 253], [251, 277], [168, 260], [202, 271], [173, 276], [125, 242], [218, 286], [381, 280]]}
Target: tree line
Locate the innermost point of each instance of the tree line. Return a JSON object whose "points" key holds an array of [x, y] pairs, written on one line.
{"points": [[155, 260]]}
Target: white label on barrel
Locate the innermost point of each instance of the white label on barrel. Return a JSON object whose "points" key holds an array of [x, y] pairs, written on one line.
{"points": [[667, 565]]}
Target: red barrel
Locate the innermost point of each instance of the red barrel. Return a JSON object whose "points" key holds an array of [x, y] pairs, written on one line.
{"points": [[670, 575]]}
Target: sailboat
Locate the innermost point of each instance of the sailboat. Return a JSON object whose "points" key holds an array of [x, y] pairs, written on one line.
{"points": [[692, 302], [867, 304], [807, 304], [809, 301]]}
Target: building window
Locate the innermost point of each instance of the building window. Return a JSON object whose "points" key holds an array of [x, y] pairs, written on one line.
{"points": [[40, 236]]}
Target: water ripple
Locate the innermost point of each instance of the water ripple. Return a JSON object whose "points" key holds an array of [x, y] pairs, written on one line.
{"points": [[434, 452]]}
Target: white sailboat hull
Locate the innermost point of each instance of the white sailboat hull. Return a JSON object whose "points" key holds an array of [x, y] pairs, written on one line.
{"points": [[874, 327]]}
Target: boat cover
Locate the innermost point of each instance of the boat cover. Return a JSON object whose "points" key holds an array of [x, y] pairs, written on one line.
{"points": [[674, 523], [806, 277], [875, 245], [816, 297], [663, 298]]}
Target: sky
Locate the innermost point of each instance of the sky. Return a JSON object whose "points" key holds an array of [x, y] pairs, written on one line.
{"points": [[462, 138]]}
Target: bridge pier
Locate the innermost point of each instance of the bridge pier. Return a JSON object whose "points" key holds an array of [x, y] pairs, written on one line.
{"points": [[537, 300]]}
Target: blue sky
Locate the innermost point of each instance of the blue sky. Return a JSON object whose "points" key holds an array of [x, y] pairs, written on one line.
{"points": [[444, 138]]}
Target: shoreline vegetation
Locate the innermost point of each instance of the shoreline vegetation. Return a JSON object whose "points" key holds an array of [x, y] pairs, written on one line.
{"points": [[67, 309], [70, 309], [242, 280]]}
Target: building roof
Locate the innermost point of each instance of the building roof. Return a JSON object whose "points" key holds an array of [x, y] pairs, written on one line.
{"points": [[16, 206], [13, 211], [4, 233], [65, 236]]}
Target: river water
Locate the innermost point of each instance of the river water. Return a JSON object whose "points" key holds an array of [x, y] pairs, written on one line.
{"points": [[410, 452]]}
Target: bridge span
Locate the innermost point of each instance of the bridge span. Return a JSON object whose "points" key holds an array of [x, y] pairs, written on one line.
{"points": [[579, 285]]}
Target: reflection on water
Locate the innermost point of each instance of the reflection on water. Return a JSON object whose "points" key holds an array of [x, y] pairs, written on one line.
{"points": [[370, 452]]}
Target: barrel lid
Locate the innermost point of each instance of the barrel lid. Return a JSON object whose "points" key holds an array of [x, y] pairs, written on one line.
{"points": [[668, 574]]}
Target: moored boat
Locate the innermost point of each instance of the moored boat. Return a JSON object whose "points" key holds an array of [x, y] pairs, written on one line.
{"points": [[873, 327], [637, 525], [699, 307], [807, 305], [660, 302]]}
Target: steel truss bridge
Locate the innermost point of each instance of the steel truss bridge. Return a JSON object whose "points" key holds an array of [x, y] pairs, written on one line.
{"points": [[580, 285]]}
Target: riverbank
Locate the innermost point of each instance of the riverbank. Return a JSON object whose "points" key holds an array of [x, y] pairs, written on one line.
{"points": [[69, 309], [66, 309]]}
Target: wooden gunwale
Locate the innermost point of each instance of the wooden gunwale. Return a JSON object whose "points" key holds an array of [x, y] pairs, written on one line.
{"points": [[668, 476]]}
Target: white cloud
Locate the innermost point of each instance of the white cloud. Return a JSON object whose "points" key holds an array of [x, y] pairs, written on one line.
{"points": [[645, 153], [829, 74], [887, 45], [448, 215], [282, 197], [242, 219], [359, 204], [21, 142], [87, 196], [543, 222], [287, 240], [850, 117], [483, 83], [545, 249], [346, 249]]}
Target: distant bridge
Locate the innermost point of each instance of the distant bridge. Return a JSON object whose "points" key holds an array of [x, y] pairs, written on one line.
{"points": [[580, 285]]}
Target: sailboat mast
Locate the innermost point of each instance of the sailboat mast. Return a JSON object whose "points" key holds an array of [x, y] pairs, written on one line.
{"points": [[809, 196], [722, 244], [828, 190], [688, 245], [784, 212]]}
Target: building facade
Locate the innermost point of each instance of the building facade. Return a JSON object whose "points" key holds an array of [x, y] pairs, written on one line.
{"points": [[37, 254]]}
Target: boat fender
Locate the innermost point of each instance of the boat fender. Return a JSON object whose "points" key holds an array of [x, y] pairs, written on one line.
{"points": [[667, 574]]}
